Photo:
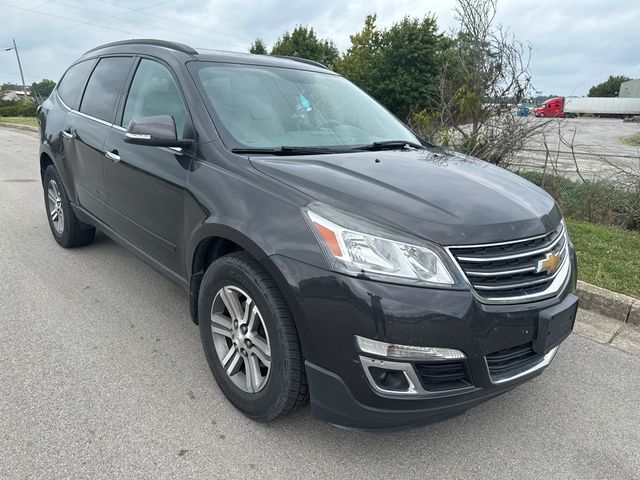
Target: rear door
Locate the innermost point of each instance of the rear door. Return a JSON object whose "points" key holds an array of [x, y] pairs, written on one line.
{"points": [[146, 185], [90, 126], [69, 91]]}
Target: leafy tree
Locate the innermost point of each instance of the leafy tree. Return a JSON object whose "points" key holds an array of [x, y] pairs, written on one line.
{"points": [[304, 43], [484, 73], [398, 66], [609, 88], [43, 88], [258, 47], [360, 63], [10, 86]]}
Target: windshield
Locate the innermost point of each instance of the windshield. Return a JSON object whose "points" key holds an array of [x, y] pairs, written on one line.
{"points": [[264, 107]]}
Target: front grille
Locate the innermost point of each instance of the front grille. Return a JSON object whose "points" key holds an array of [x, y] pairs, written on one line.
{"points": [[508, 362], [508, 271], [440, 376]]}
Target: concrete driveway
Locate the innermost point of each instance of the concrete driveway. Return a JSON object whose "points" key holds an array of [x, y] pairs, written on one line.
{"points": [[102, 376]]}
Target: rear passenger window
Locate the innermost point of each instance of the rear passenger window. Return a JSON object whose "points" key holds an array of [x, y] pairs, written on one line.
{"points": [[154, 92], [101, 95], [71, 85]]}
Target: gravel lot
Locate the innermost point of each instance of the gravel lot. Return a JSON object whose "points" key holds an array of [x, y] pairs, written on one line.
{"points": [[595, 139], [102, 376]]}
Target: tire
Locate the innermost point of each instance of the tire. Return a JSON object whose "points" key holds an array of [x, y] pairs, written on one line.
{"points": [[67, 230], [270, 392]]}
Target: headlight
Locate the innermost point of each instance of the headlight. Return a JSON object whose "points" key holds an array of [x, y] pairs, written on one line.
{"points": [[355, 252]]}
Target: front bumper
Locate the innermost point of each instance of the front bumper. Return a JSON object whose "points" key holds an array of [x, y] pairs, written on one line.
{"points": [[330, 309]]}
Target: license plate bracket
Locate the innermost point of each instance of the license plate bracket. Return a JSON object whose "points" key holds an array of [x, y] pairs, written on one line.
{"points": [[555, 324]]}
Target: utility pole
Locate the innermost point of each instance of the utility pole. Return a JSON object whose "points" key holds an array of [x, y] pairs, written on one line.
{"points": [[24, 85]]}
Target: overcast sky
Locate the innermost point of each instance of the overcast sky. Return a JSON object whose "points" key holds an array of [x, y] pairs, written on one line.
{"points": [[575, 43]]}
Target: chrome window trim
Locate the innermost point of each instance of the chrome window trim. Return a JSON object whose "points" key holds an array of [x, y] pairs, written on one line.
{"points": [[174, 150], [544, 362], [560, 278], [82, 114]]}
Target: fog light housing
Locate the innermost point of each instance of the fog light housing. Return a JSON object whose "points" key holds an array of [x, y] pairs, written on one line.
{"points": [[390, 380], [407, 352]]}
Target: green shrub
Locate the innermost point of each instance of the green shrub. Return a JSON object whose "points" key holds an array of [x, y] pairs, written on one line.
{"points": [[595, 201], [22, 109]]}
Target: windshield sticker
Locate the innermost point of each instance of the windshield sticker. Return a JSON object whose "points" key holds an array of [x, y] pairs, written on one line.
{"points": [[306, 104]]}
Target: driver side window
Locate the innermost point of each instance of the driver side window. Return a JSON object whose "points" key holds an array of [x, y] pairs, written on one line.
{"points": [[154, 92]]}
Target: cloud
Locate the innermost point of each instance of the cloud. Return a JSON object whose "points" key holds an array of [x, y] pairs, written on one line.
{"points": [[574, 44]]}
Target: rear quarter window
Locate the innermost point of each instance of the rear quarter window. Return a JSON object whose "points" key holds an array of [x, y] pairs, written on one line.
{"points": [[72, 83], [100, 98]]}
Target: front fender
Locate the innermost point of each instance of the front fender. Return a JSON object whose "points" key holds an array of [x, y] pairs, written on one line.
{"points": [[217, 230]]}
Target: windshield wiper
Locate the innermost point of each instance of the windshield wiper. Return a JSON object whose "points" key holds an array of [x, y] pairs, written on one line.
{"points": [[286, 150], [389, 145]]}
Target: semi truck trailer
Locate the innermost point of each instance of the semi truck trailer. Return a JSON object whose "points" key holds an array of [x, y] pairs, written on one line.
{"points": [[597, 106]]}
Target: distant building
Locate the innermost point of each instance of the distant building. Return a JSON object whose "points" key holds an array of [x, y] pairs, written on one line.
{"points": [[630, 89], [13, 95]]}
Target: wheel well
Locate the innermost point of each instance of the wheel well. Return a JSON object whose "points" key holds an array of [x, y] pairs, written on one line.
{"points": [[207, 252], [45, 161]]}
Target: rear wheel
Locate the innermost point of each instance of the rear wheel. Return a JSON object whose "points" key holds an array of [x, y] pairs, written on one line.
{"points": [[249, 338], [67, 230]]}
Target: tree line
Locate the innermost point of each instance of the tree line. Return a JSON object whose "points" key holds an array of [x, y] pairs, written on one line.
{"points": [[457, 89], [398, 66]]}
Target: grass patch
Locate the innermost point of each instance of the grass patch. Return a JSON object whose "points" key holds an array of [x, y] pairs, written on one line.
{"points": [[633, 140], [31, 121], [607, 256]]}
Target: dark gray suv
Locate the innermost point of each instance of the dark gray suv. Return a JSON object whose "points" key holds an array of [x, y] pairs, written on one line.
{"points": [[327, 251]]}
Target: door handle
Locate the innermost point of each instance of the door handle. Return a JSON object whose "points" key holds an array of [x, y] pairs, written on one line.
{"points": [[113, 156], [67, 133]]}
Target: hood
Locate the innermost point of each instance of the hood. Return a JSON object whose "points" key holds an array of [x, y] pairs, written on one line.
{"points": [[437, 195]]}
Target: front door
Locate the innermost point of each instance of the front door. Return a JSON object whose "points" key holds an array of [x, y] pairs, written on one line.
{"points": [[146, 185]]}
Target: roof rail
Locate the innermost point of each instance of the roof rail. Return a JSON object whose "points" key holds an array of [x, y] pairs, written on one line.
{"points": [[302, 60], [180, 47]]}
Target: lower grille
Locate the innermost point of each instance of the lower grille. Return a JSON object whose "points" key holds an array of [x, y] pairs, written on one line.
{"points": [[440, 376], [507, 362]]}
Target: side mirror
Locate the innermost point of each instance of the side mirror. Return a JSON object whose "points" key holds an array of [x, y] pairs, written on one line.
{"points": [[156, 131]]}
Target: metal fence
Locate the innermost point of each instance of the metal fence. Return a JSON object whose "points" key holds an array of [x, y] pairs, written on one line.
{"points": [[594, 178]]}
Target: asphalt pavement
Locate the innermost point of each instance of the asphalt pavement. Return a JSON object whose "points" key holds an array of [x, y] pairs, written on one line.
{"points": [[102, 376]]}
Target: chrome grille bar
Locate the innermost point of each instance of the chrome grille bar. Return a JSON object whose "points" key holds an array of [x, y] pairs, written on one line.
{"points": [[514, 255], [513, 271]]}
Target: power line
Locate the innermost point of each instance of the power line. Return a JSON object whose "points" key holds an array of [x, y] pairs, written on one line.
{"points": [[50, 15], [107, 16], [15, 74], [187, 24], [20, 13]]}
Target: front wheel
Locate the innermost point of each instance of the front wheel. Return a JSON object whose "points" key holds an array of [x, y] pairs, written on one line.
{"points": [[249, 338], [67, 230]]}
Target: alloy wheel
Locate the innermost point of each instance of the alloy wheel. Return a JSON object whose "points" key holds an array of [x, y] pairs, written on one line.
{"points": [[240, 338], [54, 201]]}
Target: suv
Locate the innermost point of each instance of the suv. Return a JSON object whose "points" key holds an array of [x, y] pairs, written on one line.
{"points": [[327, 251]]}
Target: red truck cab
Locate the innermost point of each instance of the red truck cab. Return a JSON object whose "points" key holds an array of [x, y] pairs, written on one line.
{"points": [[554, 107]]}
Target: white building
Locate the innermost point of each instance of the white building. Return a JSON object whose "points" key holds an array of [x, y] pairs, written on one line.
{"points": [[630, 89], [13, 95]]}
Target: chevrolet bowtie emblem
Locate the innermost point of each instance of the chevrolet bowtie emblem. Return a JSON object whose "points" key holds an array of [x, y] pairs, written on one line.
{"points": [[549, 264]]}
